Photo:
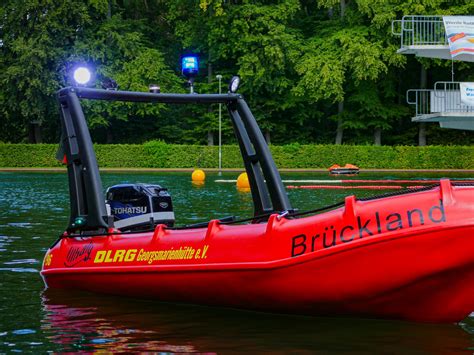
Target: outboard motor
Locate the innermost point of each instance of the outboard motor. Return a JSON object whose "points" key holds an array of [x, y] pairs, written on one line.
{"points": [[137, 207]]}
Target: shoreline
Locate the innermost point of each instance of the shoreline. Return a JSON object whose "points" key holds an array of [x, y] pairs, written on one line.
{"points": [[230, 170]]}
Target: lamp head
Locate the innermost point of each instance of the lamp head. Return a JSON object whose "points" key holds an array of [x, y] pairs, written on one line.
{"points": [[234, 84], [109, 84], [154, 88], [82, 75]]}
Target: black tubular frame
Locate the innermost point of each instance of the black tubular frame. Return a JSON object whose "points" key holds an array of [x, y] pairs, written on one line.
{"points": [[85, 187]]}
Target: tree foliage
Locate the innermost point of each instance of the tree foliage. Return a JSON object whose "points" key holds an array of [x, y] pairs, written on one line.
{"points": [[297, 58]]}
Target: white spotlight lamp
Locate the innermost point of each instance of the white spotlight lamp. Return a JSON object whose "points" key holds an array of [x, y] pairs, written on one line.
{"points": [[82, 75], [234, 84]]}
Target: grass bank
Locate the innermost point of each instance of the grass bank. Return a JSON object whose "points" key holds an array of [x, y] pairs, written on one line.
{"points": [[293, 156]]}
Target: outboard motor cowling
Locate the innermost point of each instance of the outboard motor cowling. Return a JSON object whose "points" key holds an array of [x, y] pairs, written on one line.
{"points": [[138, 207]]}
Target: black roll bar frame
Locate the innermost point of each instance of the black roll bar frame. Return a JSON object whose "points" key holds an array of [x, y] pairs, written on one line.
{"points": [[85, 187]]}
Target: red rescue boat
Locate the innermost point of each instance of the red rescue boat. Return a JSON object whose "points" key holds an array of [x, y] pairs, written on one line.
{"points": [[406, 255]]}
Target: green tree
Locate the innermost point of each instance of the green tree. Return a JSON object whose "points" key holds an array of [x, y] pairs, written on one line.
{"points": [[253, 39], [309, 68], [344, 59], [36, 37], [120, 48]]}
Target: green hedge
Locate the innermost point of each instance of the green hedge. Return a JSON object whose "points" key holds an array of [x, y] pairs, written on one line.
{"points": [[158, 154]]}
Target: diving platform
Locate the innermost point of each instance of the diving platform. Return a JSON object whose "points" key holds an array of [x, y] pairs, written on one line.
{"points": [[425, 36], [443, 104]]}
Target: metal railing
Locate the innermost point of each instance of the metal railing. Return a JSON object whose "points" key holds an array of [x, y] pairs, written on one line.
{"points": [[444, 98], [420, 30]]}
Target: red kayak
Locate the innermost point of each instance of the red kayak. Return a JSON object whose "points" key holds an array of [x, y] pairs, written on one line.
{"points": [[406, 255]]}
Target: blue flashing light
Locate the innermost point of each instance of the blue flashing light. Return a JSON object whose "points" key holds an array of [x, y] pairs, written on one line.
{"points": [[190, 66]]}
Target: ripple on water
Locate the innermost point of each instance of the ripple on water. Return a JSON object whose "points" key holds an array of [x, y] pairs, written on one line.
{"points": [[8, 238], [20, 224], [102, 341], [23, 331], [21, 261], [18, 269]]}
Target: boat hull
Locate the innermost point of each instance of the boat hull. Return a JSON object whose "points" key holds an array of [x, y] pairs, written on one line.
{"points": [[403, 257]]}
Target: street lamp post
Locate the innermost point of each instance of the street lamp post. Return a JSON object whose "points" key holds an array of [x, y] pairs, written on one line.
{"points": [[219, 77]]}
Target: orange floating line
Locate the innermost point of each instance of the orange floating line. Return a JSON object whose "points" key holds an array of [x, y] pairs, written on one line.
{"points": [[360, 187], [432, 181]]}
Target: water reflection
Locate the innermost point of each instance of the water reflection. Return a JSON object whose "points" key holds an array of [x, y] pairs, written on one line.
{"points": [[86, 322], [198, 184], [243, 190]]}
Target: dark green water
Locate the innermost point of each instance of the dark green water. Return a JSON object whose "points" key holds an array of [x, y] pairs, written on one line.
{"points": [[33, 212]]}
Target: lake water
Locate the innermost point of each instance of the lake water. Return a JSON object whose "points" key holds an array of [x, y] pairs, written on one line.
{"points": [[34, 209]]}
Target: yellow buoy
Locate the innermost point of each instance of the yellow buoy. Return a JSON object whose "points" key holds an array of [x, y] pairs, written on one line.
{"points": [[243, 181], [198, 176]]}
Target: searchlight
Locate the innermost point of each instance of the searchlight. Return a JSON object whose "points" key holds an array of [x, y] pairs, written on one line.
{"points": [[82, 75], [234, 84], [154, 88]]}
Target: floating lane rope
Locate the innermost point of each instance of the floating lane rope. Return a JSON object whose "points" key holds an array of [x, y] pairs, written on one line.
{"points": [[361, 187], [295, 181], [358, 181], [399, 181]]}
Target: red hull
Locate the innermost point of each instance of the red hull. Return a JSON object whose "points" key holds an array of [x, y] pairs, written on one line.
{"points": [[408, 257]]}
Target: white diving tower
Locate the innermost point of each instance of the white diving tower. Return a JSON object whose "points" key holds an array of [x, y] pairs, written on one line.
{"points": [[448, 103], [442, 104], [425, 36]]}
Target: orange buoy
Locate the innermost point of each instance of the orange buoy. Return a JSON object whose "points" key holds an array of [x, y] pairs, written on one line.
{"points": [[243, 181], [198, 175]]}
